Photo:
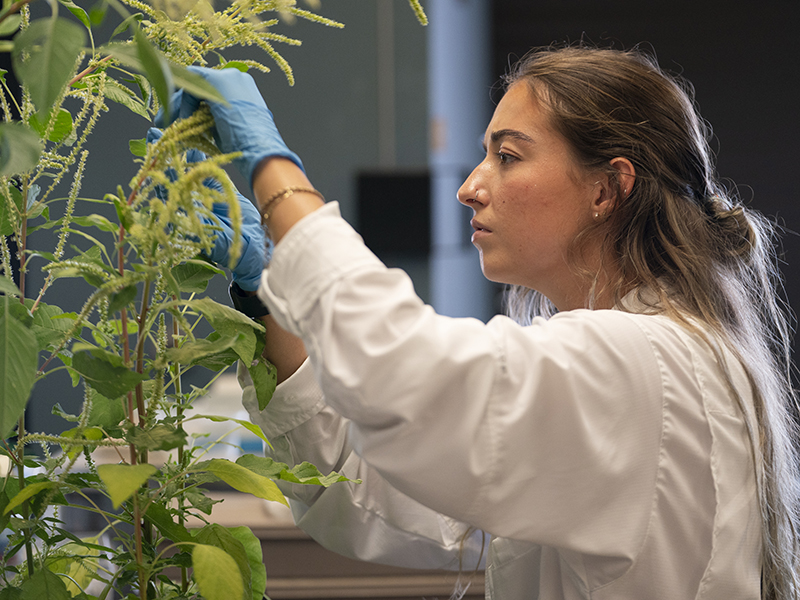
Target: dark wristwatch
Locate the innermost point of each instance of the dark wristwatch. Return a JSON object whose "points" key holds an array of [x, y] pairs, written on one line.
{"points": [[247, 304]]}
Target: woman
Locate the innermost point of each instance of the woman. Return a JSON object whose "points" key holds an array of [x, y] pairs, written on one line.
{"points": [[637, 444]]}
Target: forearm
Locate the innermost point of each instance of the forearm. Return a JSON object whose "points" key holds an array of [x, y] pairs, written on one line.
{"points": [[282, 349], [270, 177]]}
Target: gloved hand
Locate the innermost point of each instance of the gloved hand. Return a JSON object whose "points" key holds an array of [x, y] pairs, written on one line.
{"points": [[254, 254], [245, 125]]}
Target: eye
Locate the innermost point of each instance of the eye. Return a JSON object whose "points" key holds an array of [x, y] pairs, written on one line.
{"points": [[505, 158]]}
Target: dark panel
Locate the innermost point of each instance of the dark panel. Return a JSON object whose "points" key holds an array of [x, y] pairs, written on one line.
{"points": [[394, 212]]}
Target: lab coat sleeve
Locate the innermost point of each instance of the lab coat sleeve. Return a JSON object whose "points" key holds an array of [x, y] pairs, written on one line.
{"points": [[369, 520], [547, 434]]}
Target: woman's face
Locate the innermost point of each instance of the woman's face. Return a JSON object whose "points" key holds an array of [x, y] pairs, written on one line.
{"points": [[530, 199]]}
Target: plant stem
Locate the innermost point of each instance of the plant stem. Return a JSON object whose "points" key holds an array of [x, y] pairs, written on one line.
{"points": [[26, 510], [87, 71]]}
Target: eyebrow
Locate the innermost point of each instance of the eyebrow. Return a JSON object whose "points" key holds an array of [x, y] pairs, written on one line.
{"points": [[502, 134]]}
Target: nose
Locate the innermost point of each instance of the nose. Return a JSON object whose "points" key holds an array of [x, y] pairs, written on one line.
{"points": [[468, 192]]}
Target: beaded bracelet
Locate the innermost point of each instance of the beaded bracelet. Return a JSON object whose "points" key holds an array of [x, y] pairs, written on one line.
{"points": [[270, 203]]}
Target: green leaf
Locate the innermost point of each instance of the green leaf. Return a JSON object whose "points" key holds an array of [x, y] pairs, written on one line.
{"points": [[122, 95], [8, 287], [159, 516], [196, 84], [50, 323], [29, 491], [61, 128], [107, 414], [20, 149], [265, 377], [156, 67], [138, 147], [245, 480], [235, 64], [181, 76], [53, 45], [78, 562], [193, 352], [11, 593], [222, 538], [251, 427], [121, 299], [122, 481], [103, 375], [229, 323], [99, 221], [45, 584], [193, 276], [134, 18], [305, 473], [10, 25], [258, 570], [216, 574], [18, 363], [160, 437], [77, 11]]}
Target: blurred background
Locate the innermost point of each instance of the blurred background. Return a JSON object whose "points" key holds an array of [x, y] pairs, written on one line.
{"points": [[388, 116]]}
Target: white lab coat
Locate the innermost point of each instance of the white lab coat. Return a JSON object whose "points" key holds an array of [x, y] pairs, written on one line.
{"points": [[603, 451]]}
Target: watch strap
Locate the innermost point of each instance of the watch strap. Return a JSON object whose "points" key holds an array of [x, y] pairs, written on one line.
{"points": [[249, 305]]}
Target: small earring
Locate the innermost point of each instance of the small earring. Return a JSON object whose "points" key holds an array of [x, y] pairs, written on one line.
{"points": [[596, 215]]}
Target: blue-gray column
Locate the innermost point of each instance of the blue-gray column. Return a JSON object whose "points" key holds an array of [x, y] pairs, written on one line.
{"points": [[459, 105]]}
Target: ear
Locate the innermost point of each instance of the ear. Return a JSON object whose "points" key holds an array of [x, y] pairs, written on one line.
{"points": [[615, 189]]}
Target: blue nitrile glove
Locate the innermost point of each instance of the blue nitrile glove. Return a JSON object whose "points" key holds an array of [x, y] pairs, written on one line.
{"points": [[254, 254], [245, 125]]}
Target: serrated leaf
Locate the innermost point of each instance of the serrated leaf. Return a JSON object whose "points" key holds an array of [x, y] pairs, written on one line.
{"points": [[20, 148], [18, 363], [53, 45], [245, 480], [216, 574], [100, 372], [122, 481]]}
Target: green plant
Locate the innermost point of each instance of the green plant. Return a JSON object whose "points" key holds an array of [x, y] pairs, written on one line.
{"points": [[133, 340]]}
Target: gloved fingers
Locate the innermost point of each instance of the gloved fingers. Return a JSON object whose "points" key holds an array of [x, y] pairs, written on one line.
{"points": [[181, 105], [153, 135]]}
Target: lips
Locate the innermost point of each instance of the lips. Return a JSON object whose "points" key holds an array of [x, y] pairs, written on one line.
{"points": [[478, 226]]}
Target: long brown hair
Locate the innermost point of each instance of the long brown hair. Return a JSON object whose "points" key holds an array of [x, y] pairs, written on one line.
{"points": [[681, 234]]}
